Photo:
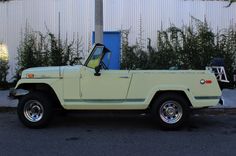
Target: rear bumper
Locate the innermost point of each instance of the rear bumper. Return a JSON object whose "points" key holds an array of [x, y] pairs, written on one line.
{"points": [[16, 93], [222, 101], [201, 102]]}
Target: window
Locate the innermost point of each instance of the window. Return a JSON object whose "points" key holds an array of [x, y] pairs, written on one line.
{"points": [[106, 59], [95, 58]]}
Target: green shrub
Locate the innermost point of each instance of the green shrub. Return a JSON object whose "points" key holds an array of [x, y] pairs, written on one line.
{"points": [[38, 50], [189, 47], [3, 66], [3, 71]]}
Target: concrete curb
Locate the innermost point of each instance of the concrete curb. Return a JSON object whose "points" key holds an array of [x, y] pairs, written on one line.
{"points": [[7, 109], [216, 111]]}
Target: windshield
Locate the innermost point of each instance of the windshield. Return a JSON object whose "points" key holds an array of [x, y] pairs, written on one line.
{"points": [[106, 60], [100, 56], [95, 58]]}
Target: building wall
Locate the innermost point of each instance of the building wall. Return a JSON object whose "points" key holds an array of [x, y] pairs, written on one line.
{"points": [[77, 16]]}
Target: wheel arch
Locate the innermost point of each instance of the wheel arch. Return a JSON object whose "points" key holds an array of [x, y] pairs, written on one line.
{"points": [[42, 87], [177, 92]]}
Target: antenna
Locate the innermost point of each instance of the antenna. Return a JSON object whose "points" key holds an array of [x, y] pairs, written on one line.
{"points": [[59, 41]]}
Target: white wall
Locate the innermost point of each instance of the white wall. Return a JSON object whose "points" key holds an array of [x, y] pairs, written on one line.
{"points": [[78, 16]]}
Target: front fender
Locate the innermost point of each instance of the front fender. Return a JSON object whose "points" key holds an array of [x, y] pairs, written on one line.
{"points": [[19, 90], [16, 93], [34, 81], [54, 84]]}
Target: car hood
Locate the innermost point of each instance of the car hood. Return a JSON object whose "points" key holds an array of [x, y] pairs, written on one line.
{"points": [[43, 72]]}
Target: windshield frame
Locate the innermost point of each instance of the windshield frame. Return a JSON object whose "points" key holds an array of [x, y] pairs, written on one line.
{"points": [[104, 51]]}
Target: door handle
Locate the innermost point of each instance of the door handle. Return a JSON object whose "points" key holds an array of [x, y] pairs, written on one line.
{"points": [[124, 77]]}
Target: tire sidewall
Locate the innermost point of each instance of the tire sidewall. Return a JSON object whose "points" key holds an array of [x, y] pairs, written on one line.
{"points": [[46, 104], [158, 104]]}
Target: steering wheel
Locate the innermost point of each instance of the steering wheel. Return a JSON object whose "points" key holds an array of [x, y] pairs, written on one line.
{"points": [[103, 65]]}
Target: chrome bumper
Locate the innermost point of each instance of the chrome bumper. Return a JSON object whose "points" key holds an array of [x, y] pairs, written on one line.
{"points": [[15, 93]]}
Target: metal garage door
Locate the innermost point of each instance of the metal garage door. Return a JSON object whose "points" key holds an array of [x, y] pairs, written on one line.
{"points": [[112, 41]]}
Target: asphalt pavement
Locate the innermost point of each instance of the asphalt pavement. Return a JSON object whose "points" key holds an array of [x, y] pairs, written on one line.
{"points": [[118, 134], [115, 135]]}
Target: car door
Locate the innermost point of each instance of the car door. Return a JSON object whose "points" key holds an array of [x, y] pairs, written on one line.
{"points": [[111, 85]]}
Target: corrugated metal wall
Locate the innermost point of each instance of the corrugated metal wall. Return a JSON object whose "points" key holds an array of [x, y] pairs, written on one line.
{"points": [[77, 16]]}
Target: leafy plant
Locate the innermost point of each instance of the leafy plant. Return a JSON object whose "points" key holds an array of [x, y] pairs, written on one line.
{"points": [[3, 67], [188, 47], [38, 50], [5, 0], [3, 70], [128, 57]]}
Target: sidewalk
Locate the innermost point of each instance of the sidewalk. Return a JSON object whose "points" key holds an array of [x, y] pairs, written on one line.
{"points": [[5, 101], [228, 95]]}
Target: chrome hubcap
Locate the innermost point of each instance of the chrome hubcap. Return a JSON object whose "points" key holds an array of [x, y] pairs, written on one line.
{"points": [[171, 112], [33, 111]]}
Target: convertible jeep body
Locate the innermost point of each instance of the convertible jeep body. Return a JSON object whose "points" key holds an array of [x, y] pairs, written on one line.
{"points": [[167, 94]]}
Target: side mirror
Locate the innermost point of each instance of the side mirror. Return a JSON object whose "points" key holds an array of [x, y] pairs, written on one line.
{"points": [[97, 70]]}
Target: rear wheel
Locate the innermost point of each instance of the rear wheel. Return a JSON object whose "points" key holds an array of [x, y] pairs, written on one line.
{"points": [[171, 111], [35, 110]]}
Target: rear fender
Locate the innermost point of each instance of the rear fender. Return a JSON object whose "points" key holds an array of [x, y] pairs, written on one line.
{"points": [[160, 89]]}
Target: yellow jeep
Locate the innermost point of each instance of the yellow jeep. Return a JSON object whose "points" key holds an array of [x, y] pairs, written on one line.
{"points": [[167, 95]]}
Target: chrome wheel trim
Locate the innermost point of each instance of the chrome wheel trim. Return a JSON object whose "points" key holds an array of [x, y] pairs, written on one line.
{"points": [[33, 111], [171, 112]]}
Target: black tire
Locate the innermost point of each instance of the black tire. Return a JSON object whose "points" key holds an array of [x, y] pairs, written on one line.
{"points": [[166, 106], [35, 110]]}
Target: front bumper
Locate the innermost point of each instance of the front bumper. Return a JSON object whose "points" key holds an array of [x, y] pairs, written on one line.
{"points": [[16, 93]]}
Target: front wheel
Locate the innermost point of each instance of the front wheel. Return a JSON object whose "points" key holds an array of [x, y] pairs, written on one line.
{"points": [[35, 110], [171, 111]]}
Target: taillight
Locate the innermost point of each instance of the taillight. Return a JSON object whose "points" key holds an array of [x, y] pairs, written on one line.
{"points": [[205, 81], [208, 81]]}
